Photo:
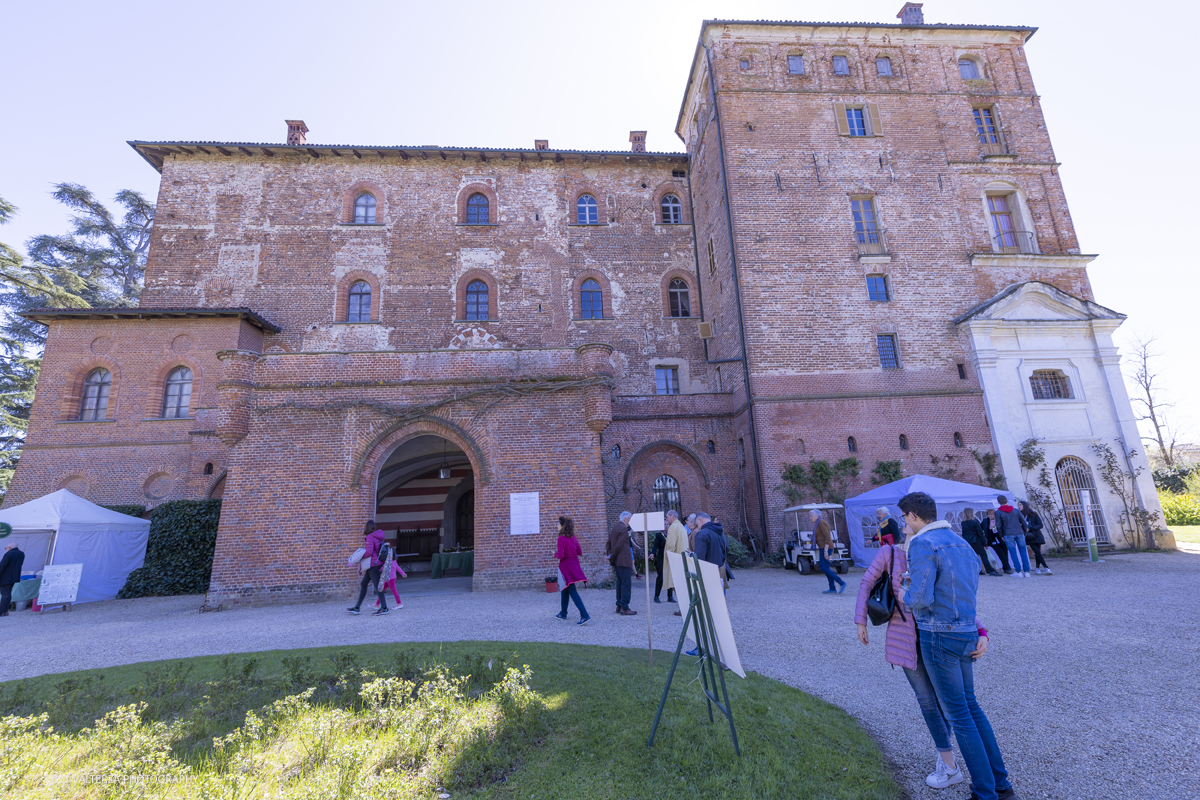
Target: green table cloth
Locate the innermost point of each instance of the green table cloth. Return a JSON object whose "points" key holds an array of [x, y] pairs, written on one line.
{"points": [[444, 561], [26, 590]]}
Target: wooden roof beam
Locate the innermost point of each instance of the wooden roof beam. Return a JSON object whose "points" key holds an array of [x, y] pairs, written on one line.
{"points": [[312, 152], [223, 151], [267, 153], [202, 150], [357, 154], [244, 150]]}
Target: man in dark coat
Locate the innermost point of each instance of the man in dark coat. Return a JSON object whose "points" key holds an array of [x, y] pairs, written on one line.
{"points": [[10, 573], [711, 544], [622, 562], [975, 535]]}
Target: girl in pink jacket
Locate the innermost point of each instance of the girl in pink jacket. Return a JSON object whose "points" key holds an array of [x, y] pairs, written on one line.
{"points": [[901, 649]]}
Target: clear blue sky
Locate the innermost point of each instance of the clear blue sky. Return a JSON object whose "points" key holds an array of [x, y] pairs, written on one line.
{"points": [[81, 78]]}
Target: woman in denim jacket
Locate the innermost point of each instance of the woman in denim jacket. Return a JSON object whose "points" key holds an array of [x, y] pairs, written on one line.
{"points": [[940, 587]]}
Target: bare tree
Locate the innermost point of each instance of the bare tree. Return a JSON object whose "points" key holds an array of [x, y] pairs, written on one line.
{"points": [[1149, 406]]}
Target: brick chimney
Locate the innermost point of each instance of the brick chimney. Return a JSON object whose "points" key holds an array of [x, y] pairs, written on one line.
{"points": [[639, 141], [911, 14], [296, 131], [541, 144]]}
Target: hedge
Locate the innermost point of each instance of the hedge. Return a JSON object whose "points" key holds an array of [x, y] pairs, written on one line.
{"points": [[1179, 509], [179, 555], [133, 511]]}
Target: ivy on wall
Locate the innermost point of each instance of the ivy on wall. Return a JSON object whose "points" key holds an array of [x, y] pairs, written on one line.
{"points": [[179, 554]]}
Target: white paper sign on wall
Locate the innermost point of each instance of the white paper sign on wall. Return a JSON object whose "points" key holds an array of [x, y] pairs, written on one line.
{"points": [[523, 512], [60, 584]]}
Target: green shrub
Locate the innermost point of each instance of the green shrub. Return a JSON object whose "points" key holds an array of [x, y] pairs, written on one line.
{"points": [[1179, 509], [131, 510], [179, 555], [738, 554]]}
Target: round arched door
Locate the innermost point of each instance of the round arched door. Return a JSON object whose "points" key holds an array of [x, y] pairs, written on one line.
{"points": [[1073, 476]]}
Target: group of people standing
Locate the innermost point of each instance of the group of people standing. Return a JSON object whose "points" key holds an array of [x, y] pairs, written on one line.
{"points": [[1010, 533]]}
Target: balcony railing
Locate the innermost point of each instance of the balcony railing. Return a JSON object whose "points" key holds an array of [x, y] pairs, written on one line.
{"points": [[871, 242], [1014, 242]]}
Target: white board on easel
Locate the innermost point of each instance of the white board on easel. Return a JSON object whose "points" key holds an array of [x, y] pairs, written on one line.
{"points": [[727, 651], [60, 584]]}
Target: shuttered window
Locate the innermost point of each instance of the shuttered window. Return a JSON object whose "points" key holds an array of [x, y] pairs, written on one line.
{"points": [[841, 65], [883, 65], [858, 120], [796, 65]]}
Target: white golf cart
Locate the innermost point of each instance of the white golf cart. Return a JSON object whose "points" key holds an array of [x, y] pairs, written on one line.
{"points": [[798, 551]]}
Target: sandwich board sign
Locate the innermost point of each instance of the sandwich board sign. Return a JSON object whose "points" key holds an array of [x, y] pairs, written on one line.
{"points": [[60, 584]]}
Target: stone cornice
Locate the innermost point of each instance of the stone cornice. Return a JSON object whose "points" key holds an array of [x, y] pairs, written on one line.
{"points": [[1036, 260]]}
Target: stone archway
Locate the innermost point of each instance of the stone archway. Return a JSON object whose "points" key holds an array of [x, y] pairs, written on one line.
{"points": [[666, 473]]}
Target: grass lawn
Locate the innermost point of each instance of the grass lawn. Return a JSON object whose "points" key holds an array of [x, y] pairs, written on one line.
{"points": [[1186, 533], [380, 722]]}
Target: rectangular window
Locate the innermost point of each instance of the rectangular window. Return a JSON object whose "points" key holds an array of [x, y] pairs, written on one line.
{"points": [[962, 372], [889, 354], [841, 65], [883, 65], [877, 288], [856, 121], [1050, 384], [866, 227], [796, 65], [744, 63], [968, 70], [1000, 209], [666, 380], [712, 259], [985, 126], [719, 380]]}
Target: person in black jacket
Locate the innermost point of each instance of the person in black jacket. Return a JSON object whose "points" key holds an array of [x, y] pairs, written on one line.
{"points": [[658, 546], [995, 539], [10, 573], [973, 532], [1035, 538]]}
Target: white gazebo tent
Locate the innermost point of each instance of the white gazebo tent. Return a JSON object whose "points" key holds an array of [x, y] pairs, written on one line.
{"points": [[63, 528]]}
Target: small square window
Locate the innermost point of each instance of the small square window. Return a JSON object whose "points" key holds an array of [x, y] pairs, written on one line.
{"points": [[841, 65], [744, 63], [796, 65], [877, 288], [889, 354], [666, 380], [883, 65], [968, 69]]}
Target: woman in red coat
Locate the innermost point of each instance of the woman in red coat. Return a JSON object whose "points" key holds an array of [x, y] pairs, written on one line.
{"points": [[569, 571]]}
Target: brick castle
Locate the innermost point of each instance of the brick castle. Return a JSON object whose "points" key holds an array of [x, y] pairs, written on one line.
{"points": [[865, 251]]}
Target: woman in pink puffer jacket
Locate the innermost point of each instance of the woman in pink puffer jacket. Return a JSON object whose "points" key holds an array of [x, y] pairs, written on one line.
{"points": [[901, 649]]}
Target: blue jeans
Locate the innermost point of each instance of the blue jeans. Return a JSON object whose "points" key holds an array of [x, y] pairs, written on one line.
{"points": [[1018, 556], [935, 720], [948, 659], [824, 566], [624, 585], [573, 594]]}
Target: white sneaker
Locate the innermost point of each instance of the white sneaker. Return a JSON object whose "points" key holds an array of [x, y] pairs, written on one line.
{"points": [[1027, 575], [943, 777], [1018, 575], [1037, 571], [1047, 571]]}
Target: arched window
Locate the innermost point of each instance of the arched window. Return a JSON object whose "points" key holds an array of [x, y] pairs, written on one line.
{"points": [[677, 294], [586, 210], [800, 447], [712, 447], [616, 452], [903, 442], [672, 210], [852, 444], [208, 468], [666, 494], [94, 405], [359, 307], [477, 209], [364, 209], [591, 300], [968, 69], [177, 398], [477, 300], [958, 442], [1075, 476]]}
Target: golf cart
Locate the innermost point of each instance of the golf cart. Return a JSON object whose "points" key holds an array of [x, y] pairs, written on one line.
{"points": [[799, 553]]}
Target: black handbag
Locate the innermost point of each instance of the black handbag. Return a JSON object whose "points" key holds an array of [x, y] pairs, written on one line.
{"points": [[881, 602]]}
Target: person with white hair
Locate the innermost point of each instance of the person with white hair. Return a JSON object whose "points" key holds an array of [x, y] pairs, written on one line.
{"points": [[621, 558], [889, 529]]}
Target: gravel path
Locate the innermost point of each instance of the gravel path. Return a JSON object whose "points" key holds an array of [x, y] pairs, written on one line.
{"points": [[1090, 681]]}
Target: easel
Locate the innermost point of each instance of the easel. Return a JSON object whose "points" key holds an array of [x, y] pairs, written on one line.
{"points": [[699, 617]]}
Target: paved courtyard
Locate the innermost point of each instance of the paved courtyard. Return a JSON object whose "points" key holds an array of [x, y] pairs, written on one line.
{"points": [[1090, 680]]}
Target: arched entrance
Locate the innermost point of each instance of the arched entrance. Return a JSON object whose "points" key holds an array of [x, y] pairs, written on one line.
{"points": [[1074, 475], [424, 499]]}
